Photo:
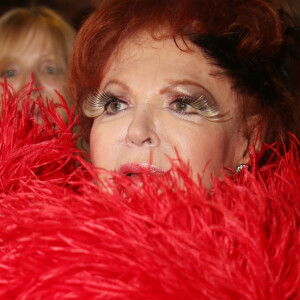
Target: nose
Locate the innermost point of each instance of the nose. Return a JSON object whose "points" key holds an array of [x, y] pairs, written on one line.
{"points": [[37, 79], [141, 131], [24, 78]]}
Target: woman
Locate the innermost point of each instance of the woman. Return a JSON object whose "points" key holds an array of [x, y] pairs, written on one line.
{"points": [[157, 79], [141, 98], [36, 41]]}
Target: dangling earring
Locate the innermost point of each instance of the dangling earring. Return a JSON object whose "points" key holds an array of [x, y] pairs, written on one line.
{"points": [[240, 167]]}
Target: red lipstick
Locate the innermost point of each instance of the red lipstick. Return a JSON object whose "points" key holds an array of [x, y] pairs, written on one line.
{"points": [[134, 169]]}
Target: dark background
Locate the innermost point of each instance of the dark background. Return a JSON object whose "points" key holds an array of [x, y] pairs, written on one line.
{"points": [[74, 11]]}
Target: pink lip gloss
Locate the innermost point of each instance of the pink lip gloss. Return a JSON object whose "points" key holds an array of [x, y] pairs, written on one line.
{"points": [[134, 169]]}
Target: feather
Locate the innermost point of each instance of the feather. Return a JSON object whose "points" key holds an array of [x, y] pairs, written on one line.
{"points": [[63, 236]]}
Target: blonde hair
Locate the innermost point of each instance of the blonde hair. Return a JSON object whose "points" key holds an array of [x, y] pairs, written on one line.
{"points": [[22, 23]]}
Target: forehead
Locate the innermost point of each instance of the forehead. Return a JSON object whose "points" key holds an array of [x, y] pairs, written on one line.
{"points": [[166, 59], [33, 39], [143, 45], [29, 41], [144, 68]]}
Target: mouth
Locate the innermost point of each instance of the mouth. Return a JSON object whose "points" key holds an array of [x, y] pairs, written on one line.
{"points": [[131, 175], [135, 170]]}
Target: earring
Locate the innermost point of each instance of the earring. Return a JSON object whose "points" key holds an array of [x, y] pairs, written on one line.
{"points": [[240, 167]]}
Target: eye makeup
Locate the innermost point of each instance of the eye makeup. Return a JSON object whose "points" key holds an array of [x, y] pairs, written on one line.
{"points": [[181, 103], [196, 105], [97, 104], [190, 98]]}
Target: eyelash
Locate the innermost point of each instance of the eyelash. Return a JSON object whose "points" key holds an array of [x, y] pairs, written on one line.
{"points": [[97, 104], [201, 104]]}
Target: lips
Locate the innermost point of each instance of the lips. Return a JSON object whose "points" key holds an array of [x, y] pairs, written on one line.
{"points": [[134, 170]]}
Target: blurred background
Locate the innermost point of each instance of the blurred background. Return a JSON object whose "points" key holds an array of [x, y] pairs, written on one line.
{"points": [[76, 11], [73, 11]]}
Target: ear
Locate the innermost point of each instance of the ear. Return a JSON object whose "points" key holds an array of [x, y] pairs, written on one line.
{"points": [[254, 136]]}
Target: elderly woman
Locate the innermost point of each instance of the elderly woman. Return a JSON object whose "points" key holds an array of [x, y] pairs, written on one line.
{"points": [[162, 88], [198, 79]]}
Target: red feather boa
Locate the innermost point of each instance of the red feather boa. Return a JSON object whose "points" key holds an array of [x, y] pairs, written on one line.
{"points": [[64, 237]]}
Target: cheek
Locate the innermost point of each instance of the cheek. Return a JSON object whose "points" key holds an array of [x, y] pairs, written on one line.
{"points": [[57, 83], [206, 148], [17, 83], [105, 143], [97, 149]]}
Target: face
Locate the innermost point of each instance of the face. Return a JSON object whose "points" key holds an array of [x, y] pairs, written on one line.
{"points": [[35, 55], [156, 100]]}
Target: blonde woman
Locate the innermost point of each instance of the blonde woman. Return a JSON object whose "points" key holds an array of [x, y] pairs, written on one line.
{"points": [[36, 41]]}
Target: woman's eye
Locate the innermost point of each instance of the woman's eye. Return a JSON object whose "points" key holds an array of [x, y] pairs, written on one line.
{"points": [[50, 70], [8, 73], [200, 105], [103, 103], [115, 106], [182, 106]]}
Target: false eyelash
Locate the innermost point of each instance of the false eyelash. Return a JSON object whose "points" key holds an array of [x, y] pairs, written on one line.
{"points": [[96, 104], [206, 107]]}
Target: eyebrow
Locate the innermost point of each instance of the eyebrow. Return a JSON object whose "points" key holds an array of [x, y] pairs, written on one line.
{"points": [[176, 83], [168, 88], [119, 83]]}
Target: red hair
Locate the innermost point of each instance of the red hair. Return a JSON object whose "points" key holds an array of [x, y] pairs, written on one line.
{"points": [[255, 24]]}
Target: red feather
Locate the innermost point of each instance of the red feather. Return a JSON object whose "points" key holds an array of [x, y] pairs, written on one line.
{"points": [[62, 236]]}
